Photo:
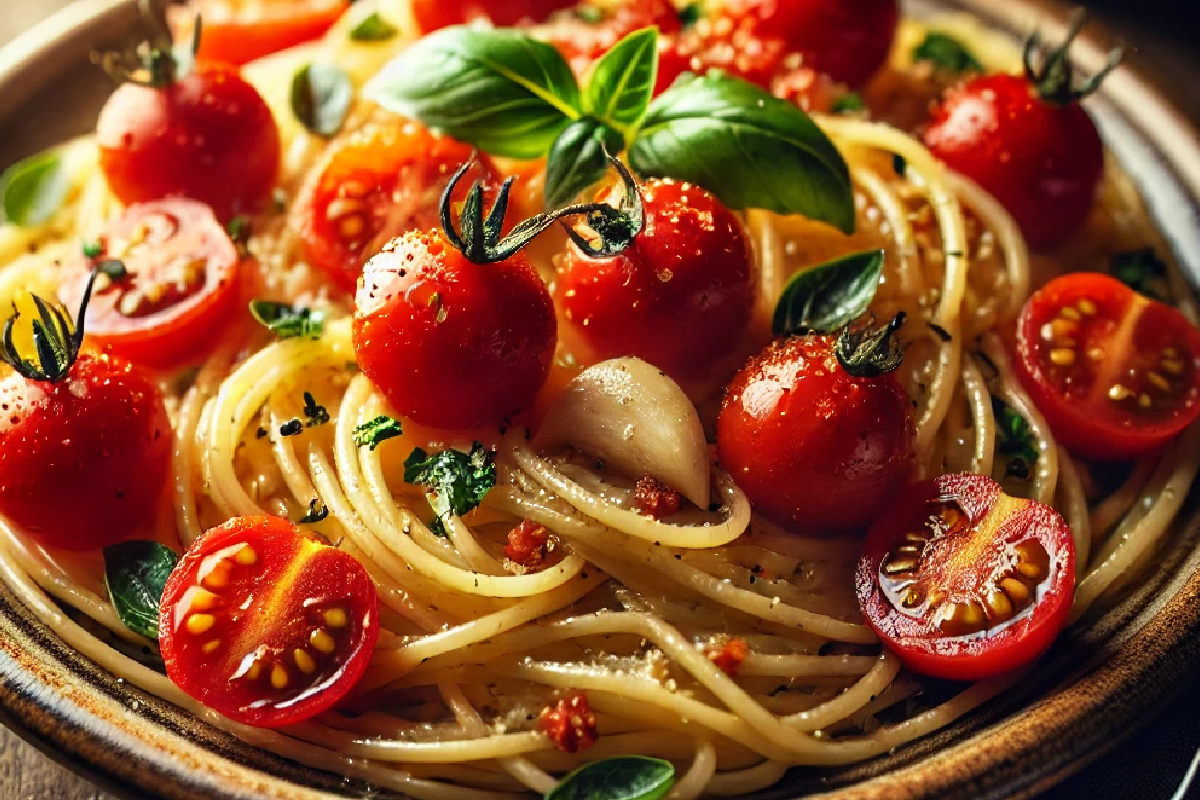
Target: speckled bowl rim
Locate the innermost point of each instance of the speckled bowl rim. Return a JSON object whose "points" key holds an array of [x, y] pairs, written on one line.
{"points": [[1134, 659]]}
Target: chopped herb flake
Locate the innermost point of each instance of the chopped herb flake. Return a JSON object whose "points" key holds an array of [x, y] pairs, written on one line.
{"points": [[1141, 270], [288, 322], [947, 53], [377, 431], [849, 103], [1014, 440], [317, 511], [317, 415], [292, 428], [374, 28], [457, 481]]}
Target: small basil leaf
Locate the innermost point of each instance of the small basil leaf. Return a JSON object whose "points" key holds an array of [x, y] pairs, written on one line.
{"points": [[135, 574], [500, 89], [33, 189], [457, 481], [849, 103], [577, 160], [1014, 440], [377, 431], [622, 81], [946, 52], [288, 322], [619, 778], [373, 28], [747, 147], [321, 96], [830, 296], [1141, 270]]}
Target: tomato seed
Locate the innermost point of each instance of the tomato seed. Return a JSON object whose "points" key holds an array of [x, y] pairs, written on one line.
{"points": [[304, 661], [335, 618], [246, 556], [322, 641], [200, 623], [211, 647], [279, 677], [1017, 591]]}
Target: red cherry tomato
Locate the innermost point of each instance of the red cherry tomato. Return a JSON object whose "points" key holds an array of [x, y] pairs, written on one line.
{"points": [[963, 582], [83, 461], [1042, 161], [813, 447], [453, 344], [378, 184], [679, 297], [209, 136], [432, 15], [240, 31], [591, 31], [1115, 373], [266, 625], [182, 280]]}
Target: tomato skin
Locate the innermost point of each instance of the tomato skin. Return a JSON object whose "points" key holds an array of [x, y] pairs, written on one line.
{"points": [[378, 184], [1132, 333], [1006, 646], [264, 605], [182, 233], [238, 35], [1043, 162], [812, 447], [453, 344], [582, 42], [83, 461], [432, 15], [209, 136], [680, 297]]}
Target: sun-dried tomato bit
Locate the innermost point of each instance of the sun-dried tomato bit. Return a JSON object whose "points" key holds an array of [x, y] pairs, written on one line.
{"points": [[570, 723], [728, 655], [528, 545], [653, 499]]}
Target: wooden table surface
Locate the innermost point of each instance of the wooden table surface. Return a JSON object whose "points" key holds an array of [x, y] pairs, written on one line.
{"points": [[26, 774]]}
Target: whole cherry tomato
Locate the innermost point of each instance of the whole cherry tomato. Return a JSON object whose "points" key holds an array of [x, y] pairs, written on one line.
{"points": [[208, 136], [181, 281], [679, 297], [963, 582], [265, 625], [1115, 373], [240, 31]]}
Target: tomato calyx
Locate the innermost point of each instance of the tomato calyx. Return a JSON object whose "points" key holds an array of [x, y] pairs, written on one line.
{"points": [[156, 62], [479, 238], [867, 351], [1055, 76]]}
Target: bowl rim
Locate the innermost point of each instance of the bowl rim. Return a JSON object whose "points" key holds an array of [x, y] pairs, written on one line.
{"points": [[38, 704]]}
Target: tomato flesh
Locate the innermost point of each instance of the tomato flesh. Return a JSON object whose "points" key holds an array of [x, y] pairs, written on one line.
{"points": [[265, 625], [238, 32], [432, 15], [182, 281], [963, 582], [1115, 373]]}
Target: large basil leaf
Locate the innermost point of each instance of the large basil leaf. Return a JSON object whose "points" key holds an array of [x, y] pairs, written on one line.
{"points": [[619, 778], [500, 90], [577, 159], [749, 148], [622, 81], [135, 574], [33, 189], [829, 297], [321, 96]]}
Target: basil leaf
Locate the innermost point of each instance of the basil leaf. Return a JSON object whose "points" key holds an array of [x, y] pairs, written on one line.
{"points": [[135, 574], [1141, 270], [321, 96], [373, 28], [288, 322], [747, 147], [500, 90], [457, 481], [946, 52], [849, 103], [577, 160], [622, 81], [1014, 440], [619, 778], [377, 431], [829, 297], [33, 189]]}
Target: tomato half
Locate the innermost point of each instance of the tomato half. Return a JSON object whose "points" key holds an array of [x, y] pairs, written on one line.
{"points": [[964, 582], [240, 31], [1115, 373], [266, 625], [182, 281], [378, 184]]}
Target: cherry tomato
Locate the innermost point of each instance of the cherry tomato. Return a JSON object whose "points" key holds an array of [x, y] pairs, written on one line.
{"points": [[813, 447], [963, 582], [679, 297], [209, 136], [432, 15], [379, 183], [240, 31], [591, 31], [265, 625], [83, 460], [1115, 373], [849, 40], [453, 344], [182, 280], [1041, 160]]}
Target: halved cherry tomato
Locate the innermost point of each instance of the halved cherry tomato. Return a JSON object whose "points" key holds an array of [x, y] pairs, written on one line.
{"points": [[182, 280], [240, 31], [209, 136], [592, 30], [963, 582], [1115, 373], [379, 183], [265, 625], [432, 15]]}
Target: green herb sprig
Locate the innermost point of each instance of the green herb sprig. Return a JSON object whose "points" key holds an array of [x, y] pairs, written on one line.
{"points": [[377, 431], [457, 482], [135, 574]]}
